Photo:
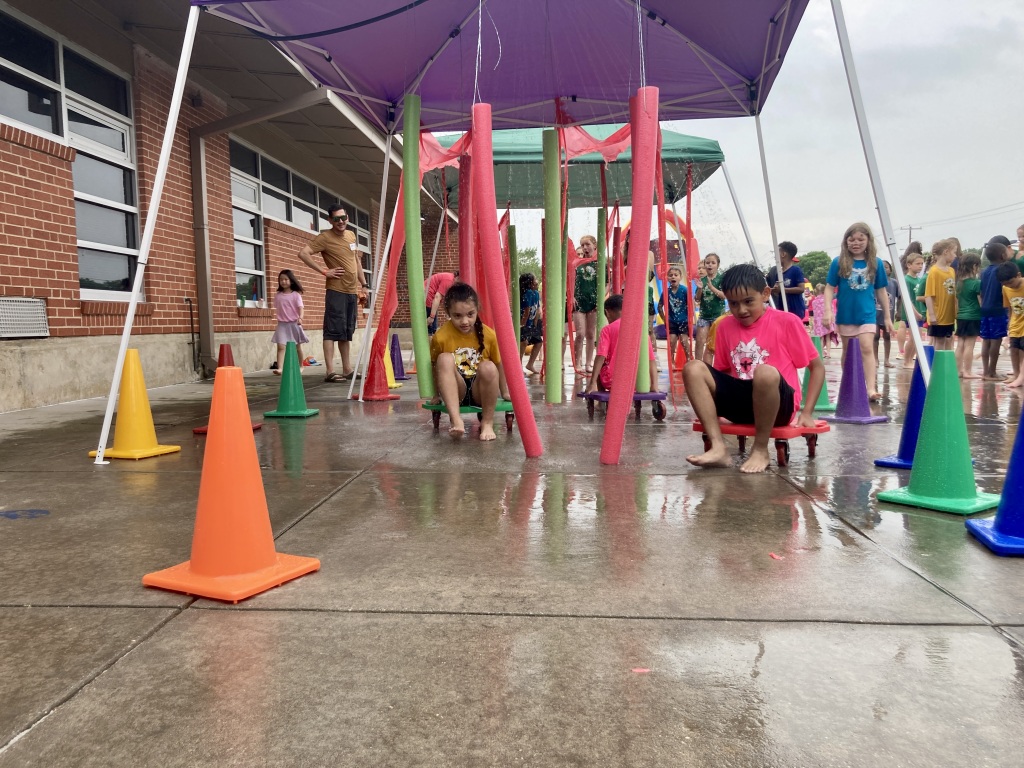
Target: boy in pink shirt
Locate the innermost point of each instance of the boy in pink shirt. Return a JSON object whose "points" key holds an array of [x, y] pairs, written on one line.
{"points": [[754, 376], [601, 378]]}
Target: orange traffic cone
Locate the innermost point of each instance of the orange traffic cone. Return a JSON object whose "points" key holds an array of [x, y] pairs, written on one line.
{"points": [[134, 433], [233, 555]]}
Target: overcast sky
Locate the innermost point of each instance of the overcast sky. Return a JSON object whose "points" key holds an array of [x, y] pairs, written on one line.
{"points": [[943, 87]]}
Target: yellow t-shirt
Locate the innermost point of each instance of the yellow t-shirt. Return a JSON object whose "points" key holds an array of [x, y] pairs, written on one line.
{"points": [[941, 286], [465, 347], [712, 331], [1014, 299], [339, 251]]}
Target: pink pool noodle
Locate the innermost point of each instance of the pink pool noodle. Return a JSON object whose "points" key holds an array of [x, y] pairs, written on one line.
{"points": [[643, 114], [467, 257], [508, 344]]}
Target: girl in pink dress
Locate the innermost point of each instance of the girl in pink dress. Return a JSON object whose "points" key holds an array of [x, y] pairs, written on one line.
{"points": [[289, 309], [818, 315]]}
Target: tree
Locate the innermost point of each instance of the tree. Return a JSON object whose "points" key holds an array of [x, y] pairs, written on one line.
{"points": [[530, 262], [814, 265]]}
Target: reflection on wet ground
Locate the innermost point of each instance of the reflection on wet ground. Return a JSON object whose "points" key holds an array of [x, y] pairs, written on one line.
{"points": [[477, 607]]}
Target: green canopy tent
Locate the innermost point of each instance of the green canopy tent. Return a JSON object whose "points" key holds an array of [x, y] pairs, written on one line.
{"points": [[519, 172]]}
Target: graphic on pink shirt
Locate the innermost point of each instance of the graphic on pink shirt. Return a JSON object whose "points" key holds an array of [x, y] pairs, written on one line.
{"points": [[746, 356]]}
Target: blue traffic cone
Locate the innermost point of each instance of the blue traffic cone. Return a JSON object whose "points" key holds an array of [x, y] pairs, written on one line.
{"points": [[904, 458], [396, 359], [1004, 534]]}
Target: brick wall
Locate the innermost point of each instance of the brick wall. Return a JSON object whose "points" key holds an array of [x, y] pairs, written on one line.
{"points": [[38, 256], [171, 271], [447, 259]]}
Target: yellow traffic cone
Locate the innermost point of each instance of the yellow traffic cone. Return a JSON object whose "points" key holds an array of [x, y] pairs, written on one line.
{"points": [[390, 370], [134, 434]]}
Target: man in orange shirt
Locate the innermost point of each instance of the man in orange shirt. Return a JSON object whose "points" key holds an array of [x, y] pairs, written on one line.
{"points": [[345, 285]]}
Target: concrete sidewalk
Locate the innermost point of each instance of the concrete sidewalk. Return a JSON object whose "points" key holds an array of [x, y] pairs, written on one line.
{"points": [[478, 608]]}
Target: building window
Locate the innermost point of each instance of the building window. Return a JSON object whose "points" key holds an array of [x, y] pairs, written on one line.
{"points": [[247, 226], [284, 195], [47, 87]]}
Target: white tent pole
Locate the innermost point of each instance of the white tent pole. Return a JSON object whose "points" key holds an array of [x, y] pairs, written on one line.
{"points": [[380, 213], [876, 184], [739, 212], [771, 214], [364, 349], [150, 228]]}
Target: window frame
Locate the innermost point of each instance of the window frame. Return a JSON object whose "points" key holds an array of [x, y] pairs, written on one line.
{"points": [[124, 160], [254, 208], [69, 100]]}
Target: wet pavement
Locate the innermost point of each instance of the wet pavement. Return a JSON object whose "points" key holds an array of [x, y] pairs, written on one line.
{"points": [[475, 607]]}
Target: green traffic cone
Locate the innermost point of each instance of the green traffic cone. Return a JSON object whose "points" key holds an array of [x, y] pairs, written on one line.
{"points": [[943, 476], [823, 403], [291, 400]]}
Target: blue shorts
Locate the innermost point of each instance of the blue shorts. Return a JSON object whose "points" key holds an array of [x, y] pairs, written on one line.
{"points": [[994, 327]]}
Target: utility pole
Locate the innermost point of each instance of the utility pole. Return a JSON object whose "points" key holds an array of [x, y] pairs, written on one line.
{"points": [[910, 233]]}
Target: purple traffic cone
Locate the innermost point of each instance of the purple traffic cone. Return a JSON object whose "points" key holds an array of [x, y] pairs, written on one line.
{"points": [[852, 406], [396, 359], [1004, 534], [904, 457]]}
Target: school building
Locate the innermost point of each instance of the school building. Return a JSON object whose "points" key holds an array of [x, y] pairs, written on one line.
{"points": [[259, 152]]}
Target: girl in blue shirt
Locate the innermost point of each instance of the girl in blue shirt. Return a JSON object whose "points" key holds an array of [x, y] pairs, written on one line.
{"points": [[860, 280]]}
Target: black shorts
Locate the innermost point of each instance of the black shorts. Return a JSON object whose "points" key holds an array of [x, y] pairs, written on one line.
{"points": [[734, 399], [1017, 342], [678, 330], [968, 329], [467, 399], [940, 331], [340, 315]]}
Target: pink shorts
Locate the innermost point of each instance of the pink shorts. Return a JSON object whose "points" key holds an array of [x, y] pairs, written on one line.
{"points": [[856, 330]]}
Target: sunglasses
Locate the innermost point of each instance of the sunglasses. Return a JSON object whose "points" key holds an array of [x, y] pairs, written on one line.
{"points": [[339, 218]]}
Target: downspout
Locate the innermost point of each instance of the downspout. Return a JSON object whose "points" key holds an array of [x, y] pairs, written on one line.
{"points": [[201, 234]]}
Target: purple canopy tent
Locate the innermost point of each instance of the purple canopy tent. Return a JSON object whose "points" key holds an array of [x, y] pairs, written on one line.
{"points": [[708, 59]]}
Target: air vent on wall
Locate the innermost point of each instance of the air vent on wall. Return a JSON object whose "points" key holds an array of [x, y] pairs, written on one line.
{"points": [[22, 318]]}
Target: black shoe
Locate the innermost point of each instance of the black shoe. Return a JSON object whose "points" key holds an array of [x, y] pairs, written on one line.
{"points": [[273, 366]]}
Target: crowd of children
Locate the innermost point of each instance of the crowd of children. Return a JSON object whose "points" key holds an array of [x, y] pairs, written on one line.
{"points": [[745, 369]]}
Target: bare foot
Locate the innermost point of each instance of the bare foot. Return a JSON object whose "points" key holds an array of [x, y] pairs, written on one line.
{"points": [[889, 365], [1015, 384], [716, 457], [993, 378], [487, 432], [970, 376], [457, 429], [531, 370], [874, 397], [906, 365], [758, 462]]}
